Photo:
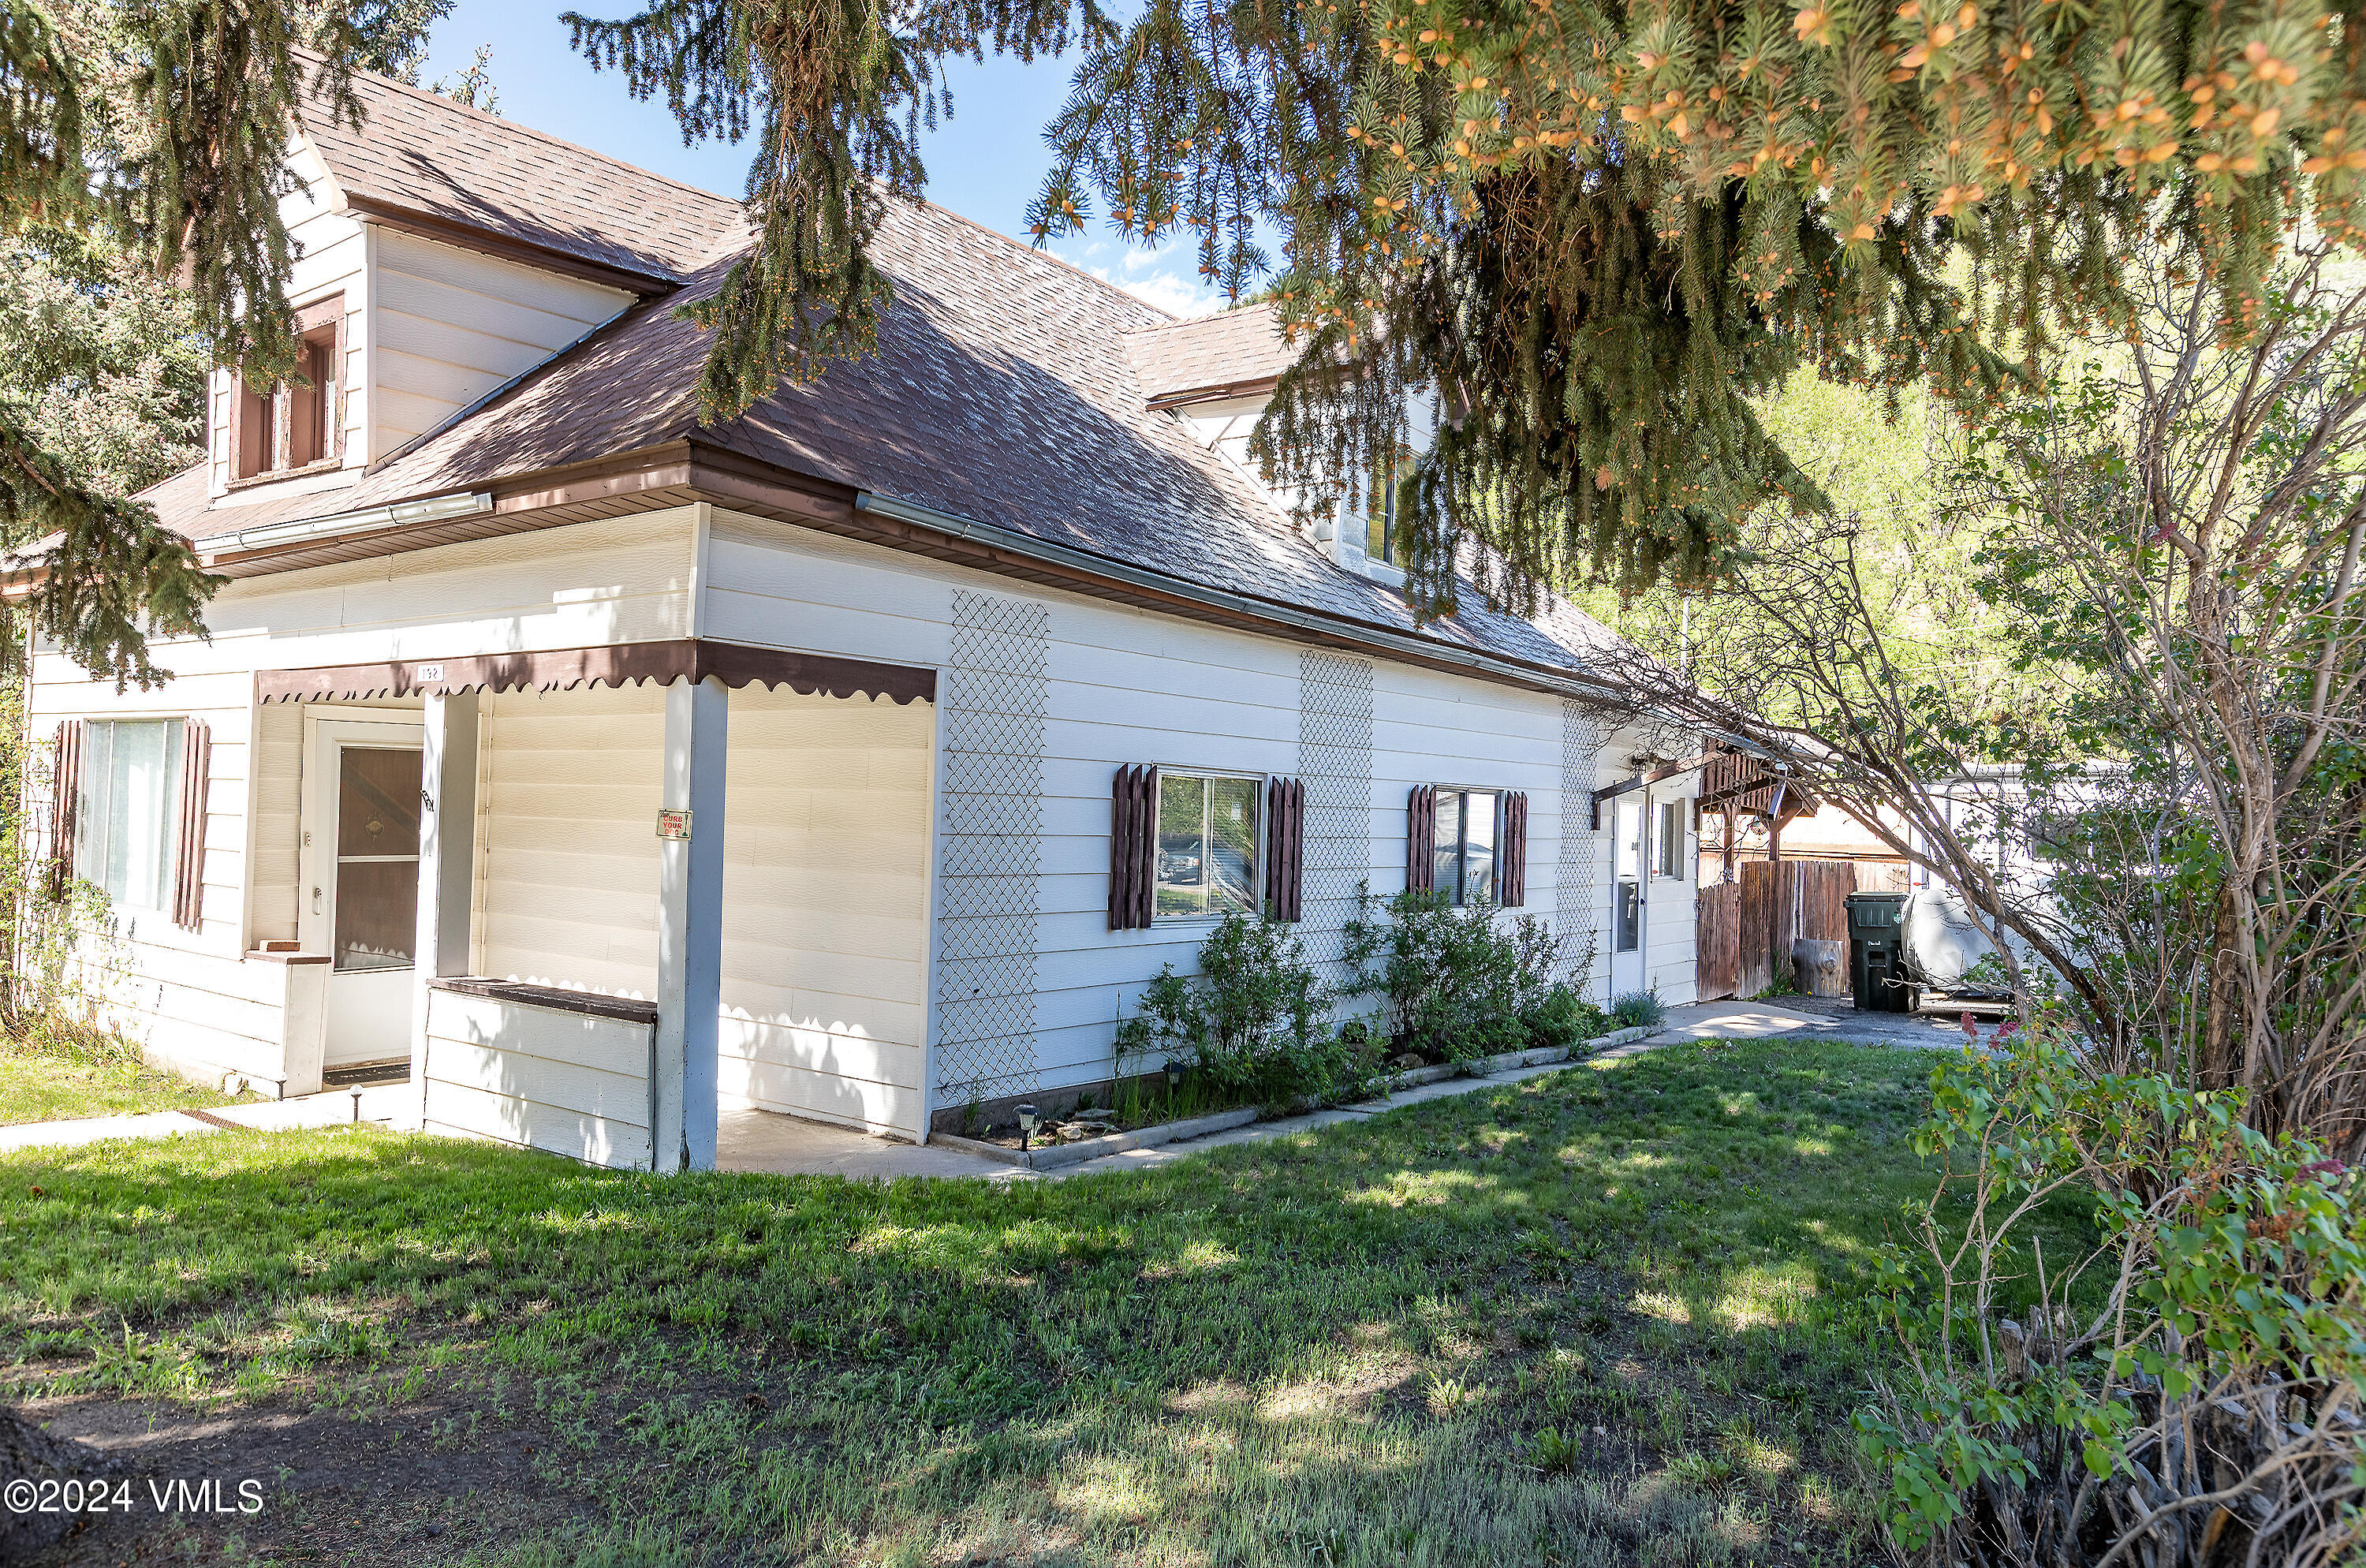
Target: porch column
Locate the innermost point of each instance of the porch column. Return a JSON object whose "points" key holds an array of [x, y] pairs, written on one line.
{"points": [[447, 843], [690, 927]]}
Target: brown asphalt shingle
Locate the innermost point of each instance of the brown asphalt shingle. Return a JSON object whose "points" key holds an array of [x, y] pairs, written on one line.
{"points": [[1232, 348], [1005, 388], [422, 153]]}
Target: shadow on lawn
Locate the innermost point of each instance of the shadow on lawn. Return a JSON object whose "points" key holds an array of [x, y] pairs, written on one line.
{"points": [[1658, 1260]]}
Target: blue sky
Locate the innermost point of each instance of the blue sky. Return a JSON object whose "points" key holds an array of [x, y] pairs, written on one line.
{"points": [[985, 164]]}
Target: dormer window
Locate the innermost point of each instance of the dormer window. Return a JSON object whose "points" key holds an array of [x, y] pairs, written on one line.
{"points": [[1380, 515], [296, 425]]}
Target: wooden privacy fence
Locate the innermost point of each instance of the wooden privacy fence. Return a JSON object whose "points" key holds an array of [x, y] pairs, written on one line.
{"points": [[1746, 928], [1718, 950]]}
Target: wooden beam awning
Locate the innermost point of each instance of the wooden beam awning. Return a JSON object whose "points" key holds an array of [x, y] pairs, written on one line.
{"points": [[616, 664], [1731, 780], [1608, 792]]}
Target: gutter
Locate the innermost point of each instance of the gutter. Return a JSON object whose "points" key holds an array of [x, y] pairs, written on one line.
{"points": [[1397, 645], [434, 509]]}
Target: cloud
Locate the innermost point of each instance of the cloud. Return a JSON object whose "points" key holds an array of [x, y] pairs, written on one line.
{"points": [[1171, 282]]}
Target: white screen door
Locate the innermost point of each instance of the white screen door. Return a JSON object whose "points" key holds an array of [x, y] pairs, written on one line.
{"points": [[1626, 929], [360, 877]]}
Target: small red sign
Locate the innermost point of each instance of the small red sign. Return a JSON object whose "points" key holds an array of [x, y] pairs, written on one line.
{"points": [[673, 824]]}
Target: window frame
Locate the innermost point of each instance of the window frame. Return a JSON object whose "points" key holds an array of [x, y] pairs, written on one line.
{"points": [[1668, 841], [1462, 794], [92, 817], [276, 407], [1260, 787]]}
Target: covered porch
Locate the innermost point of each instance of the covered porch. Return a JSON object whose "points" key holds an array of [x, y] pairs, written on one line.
{"points": [[658, 888]]}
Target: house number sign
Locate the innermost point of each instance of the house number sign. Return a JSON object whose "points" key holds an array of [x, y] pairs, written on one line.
{"points": [[673, 824]]}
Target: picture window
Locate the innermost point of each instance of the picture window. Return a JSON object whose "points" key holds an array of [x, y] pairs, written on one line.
{"points": [[1208, 857]]}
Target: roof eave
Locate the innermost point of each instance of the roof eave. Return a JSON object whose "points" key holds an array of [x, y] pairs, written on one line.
{"points": [[1222, 391], [645, 284], [692, 469]]}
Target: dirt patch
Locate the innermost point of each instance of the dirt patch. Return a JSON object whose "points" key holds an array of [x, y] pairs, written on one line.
{"points": [[279, 1484]]}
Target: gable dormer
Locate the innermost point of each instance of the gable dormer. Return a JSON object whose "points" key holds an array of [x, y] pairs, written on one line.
{"points": [[1217, 374], [440, 254]]}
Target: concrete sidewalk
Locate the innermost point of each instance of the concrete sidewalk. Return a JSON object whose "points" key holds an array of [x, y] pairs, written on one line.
{"points": [[333, 1108], [767, 1141]]}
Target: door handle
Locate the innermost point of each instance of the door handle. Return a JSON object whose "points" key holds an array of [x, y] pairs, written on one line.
{"points": [[316, 900]]}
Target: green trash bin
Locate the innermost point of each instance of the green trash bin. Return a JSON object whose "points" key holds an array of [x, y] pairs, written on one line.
{"points": [[1878, 978]]}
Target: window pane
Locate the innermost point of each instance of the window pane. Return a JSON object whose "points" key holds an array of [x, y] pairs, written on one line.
{"points": [[1627, 822], [135, 772], [1182, 847], [1479, 847], [378, 913], [1631, 917], [377, 801], [90, 803], [377, 857], [1381, 514], [1232, 863], [1445, 854]]}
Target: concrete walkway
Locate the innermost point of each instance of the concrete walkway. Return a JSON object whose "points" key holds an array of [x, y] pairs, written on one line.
{"points": [[760, 1140], [764, 1141], [333, 1108]]}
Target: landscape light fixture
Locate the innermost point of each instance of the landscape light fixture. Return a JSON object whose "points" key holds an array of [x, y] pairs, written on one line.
{"points": [[1026, 1125], [1173, 1075]]}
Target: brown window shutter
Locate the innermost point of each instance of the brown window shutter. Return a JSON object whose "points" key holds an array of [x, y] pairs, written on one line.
{"points": [[189, 850], [1285, 848], [65, 794], [1133, 847], [1514, 880], [1421, 839]]}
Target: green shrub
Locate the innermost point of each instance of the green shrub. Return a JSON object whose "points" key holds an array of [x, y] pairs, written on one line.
{"points": [[1255, 1021], [1461, 983], [2186, 1393], [1639, 1009]]}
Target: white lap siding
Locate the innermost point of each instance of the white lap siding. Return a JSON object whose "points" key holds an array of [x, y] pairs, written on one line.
{"points": [[1122, 686], [190, 1000], [449, 325], [825, 907], [569, 786], [1670, 944], [825, 930], [541, 1078], [181, 996]]}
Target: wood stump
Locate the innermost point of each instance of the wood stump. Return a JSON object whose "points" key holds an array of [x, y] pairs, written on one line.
{"points": [[1822, 966]]}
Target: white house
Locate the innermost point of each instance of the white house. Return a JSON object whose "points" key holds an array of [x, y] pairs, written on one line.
{"points": [[607, 767]]}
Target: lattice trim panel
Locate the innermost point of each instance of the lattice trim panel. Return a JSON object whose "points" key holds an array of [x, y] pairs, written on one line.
{"points": [[996, 692], [1335, 758], [1579, 896]]}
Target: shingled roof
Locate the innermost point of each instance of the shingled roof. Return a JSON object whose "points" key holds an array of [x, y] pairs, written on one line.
{"points": [[421, 155], [1231, 352], [1007, 388]]}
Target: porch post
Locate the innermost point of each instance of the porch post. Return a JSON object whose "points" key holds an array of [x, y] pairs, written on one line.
{"points": [[447, 842], [690, 928]]}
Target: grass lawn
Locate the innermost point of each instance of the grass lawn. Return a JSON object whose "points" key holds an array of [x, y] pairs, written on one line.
{"points": [[42, 1083], [1609, 1315]]}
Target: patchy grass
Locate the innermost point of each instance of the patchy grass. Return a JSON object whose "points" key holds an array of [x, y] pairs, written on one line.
{"points": [[1609, 1315], [42, 1082]]}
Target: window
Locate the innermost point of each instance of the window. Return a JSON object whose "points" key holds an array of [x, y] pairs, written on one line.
{"points": [[1671, 858], [1380, 515], [283, 429], [1207, 863], [124, 819], [1463, 868]]}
